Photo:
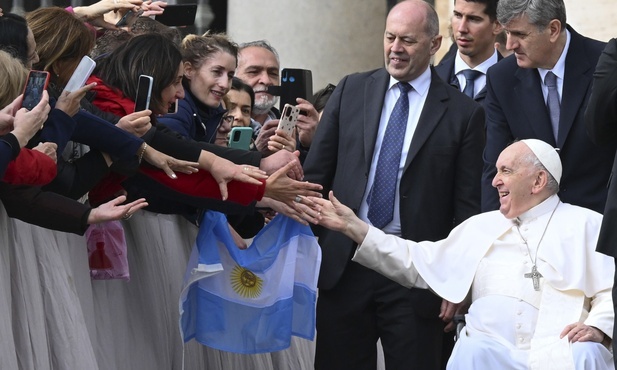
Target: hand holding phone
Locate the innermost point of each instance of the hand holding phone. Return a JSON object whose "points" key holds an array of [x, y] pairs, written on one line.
{"points": [[81, 74], [129, 18], [33, 92], [144, 91]]}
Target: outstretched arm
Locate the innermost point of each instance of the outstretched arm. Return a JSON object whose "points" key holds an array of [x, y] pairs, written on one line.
{"points": [[333, 215]]}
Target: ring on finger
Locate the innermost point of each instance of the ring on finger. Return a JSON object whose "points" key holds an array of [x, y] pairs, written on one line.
{"points": [[282, 146], [246, 168], [127, 216], [298, 199]]}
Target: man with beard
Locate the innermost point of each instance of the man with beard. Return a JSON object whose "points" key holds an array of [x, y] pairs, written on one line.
{"points": [[259, 66], [474, 29]]}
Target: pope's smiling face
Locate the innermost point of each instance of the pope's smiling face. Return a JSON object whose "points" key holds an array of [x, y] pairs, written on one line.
{"points": [[515, 180]]}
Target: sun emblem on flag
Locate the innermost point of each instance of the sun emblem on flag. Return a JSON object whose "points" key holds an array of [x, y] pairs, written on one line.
{"points": [[245, 283]]}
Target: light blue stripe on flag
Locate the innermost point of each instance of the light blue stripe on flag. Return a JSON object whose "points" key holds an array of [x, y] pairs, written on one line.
{"points": [[250, 301]]}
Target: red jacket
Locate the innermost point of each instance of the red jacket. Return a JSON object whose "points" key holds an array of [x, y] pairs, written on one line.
{"points": [[31, 167]]}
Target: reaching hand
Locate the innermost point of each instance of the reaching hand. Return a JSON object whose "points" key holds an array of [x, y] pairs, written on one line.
{"points": [[225, 171], [153, 8], [69, 102], [95, 13], [281, 207], [167, 163], [136, 123], [284, 189], [274, 162], [115, 210]]}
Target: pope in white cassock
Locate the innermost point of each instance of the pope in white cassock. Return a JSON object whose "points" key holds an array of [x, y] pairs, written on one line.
{"points": [[540, 294]]}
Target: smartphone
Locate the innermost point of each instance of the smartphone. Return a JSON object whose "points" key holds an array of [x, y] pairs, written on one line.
{"points": [[129, 18], [144, 91], [295, 83], [173, 108], [240, 138], [81, 74], [178, 15], [33, 92], [289, 117]]}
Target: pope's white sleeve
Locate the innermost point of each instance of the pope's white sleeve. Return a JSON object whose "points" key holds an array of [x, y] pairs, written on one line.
{"points": [[389, 255], [601, 314]]}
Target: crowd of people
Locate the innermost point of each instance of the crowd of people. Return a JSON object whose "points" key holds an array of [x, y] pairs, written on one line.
{"points": [[473, 187]]}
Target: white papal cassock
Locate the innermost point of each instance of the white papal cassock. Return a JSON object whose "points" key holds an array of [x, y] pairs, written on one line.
{"points": [[510, 325]]}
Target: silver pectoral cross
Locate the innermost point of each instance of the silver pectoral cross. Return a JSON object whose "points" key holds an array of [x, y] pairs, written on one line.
{"points": [[535, 277]]}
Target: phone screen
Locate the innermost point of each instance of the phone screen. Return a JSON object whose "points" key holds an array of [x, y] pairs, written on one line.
{"points": [[33, 92], [173, 108], [144, 89]]}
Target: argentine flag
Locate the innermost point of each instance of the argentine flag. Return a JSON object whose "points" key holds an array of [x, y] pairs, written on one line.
{"points": [[253, 300]]}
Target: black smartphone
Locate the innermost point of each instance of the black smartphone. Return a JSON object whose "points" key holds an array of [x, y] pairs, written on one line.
{"points": [[178, 15], [173, 108], [144, 91], [33, 91], [295, 83], [129, 18]]}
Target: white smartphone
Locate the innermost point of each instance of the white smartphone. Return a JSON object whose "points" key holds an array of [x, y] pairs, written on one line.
{"points": [[81, 74], [144, 91], [289, 117]]}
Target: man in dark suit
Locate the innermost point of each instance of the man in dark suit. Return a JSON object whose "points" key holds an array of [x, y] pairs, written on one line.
{"points": [[601, 120], [474, 28], [542, 92], [435, 176]]}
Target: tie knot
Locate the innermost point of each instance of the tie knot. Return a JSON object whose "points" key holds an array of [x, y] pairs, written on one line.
{"points": [[404, 87], [471, 74], [550, 80]]}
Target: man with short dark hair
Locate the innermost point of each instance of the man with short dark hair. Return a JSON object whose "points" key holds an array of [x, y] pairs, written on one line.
{"points": [[474, 28]]}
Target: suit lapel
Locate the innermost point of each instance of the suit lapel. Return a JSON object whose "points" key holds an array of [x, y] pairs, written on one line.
{"points": [[374, 94], [434, 108], [577, 79], [529, 93]]}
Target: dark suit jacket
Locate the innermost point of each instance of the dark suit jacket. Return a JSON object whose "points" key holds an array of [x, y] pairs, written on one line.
{"points": [[439, 186], [601, 120], [515, 109], [445, 70]]}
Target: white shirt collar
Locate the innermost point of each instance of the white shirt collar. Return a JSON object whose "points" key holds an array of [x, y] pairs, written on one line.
{"points": [[420, 84], [560, 67], [547, 206], [460, 65]]}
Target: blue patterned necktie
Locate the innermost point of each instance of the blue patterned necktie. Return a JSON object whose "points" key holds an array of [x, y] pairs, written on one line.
{"points": [[552, 101], [470, 78], [382, 194]]}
